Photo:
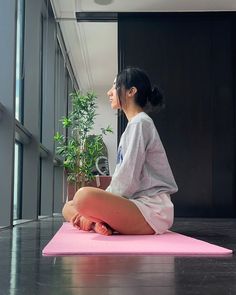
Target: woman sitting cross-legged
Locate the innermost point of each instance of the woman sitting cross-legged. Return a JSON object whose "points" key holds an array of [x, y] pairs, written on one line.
{"points": [[137, 202]]}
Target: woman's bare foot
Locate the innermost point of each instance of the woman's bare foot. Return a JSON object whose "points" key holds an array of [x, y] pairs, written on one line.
{"points": [[102, 228]]}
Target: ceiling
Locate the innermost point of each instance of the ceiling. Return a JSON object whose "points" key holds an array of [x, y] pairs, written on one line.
{"points": [[92, 47]]}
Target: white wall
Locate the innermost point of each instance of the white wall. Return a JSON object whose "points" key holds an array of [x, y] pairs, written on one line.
{"points": [[107, 116]]}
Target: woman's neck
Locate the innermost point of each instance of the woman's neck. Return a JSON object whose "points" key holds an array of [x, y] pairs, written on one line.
{"points": [[132, 112]]}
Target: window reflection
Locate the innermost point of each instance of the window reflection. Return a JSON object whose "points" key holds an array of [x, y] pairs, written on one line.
{"points": [[17, 182]]}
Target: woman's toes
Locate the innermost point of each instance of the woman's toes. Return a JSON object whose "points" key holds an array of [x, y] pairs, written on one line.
{"points": [[102, 229]]}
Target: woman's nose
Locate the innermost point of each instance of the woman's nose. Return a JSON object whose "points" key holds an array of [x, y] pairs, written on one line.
{"points": [[109, 92]]}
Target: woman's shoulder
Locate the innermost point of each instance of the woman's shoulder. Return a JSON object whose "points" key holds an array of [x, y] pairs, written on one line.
{"points": [[141, 124], [142, 118]]}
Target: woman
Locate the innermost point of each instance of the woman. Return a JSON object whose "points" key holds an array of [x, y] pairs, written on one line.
{"points": [[137, 202]]}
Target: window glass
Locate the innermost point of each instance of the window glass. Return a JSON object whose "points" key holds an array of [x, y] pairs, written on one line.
{"points": [[19, 60]]}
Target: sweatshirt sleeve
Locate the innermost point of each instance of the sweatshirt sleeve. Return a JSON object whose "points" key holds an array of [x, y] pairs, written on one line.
{"points": [[131, 157]]}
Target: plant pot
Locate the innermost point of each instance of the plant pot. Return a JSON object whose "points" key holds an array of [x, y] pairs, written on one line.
{"points": [[101, 181]]}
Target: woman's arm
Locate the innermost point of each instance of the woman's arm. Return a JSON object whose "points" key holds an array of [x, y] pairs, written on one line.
{"points": [[132, 153]]}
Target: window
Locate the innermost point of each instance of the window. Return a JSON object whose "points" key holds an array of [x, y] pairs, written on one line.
{"points": [[19, 60]]}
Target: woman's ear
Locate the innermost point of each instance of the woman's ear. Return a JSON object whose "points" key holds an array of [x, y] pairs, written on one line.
{"points": [[132, 91]]}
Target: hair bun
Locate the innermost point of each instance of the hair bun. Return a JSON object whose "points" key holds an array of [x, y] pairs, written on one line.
{"points": [[156, 98]]}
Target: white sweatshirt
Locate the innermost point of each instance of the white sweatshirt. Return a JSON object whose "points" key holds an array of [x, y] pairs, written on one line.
{"points": [[142, 167]]}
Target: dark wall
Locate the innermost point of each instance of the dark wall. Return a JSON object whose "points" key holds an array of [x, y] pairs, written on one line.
{"points": [[191, 56]]}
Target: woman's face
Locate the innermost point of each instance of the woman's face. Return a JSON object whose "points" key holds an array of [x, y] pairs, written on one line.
{"points": [[113, 97]]}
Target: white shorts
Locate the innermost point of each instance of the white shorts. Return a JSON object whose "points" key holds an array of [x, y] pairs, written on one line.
{"points": [[158, 211]]}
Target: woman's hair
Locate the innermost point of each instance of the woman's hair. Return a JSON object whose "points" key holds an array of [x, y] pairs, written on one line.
{"points": [[146, 96]]}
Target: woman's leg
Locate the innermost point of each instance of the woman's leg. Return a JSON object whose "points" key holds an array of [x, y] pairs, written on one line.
{"points": [[69, 210], [71, 214], [119, 213]]}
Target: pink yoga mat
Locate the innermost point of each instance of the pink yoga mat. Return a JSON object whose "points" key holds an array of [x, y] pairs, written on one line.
{"points": [[71, 241]]}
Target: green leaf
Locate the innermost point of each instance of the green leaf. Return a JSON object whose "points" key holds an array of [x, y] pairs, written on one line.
{"points": [[107, 130], [58, 137], [66, 122]]}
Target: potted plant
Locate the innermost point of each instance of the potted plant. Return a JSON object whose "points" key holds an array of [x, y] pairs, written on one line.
{"points": [[78, 147]]}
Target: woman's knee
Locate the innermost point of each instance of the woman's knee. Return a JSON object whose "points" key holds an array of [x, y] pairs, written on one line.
{"points": [[83, 199]]}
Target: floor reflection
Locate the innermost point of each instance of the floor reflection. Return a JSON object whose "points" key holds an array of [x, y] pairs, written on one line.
{"points": [[116, 270]]}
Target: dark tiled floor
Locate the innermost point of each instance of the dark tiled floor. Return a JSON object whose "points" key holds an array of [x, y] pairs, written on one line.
{"points": [[25, 271]]}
